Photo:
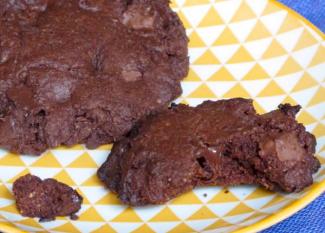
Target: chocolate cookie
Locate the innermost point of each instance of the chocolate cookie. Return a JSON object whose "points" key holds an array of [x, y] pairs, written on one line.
{"points": [[84, 71], [216, 143], [45, 199]]}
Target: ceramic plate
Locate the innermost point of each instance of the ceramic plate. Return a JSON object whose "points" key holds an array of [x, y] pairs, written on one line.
{"points": [[254, 49]]}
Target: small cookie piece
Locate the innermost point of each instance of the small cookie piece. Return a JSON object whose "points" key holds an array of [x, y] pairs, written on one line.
{"points": [[216, 143], [45, 199]]}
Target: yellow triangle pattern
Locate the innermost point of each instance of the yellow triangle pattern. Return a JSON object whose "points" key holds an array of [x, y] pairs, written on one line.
{"points": [[305, 118], [256, 73], [305, 82], [319, 130], [270, 8], [305, 40], [64, 177], [255, 215], [30, 222], [105, 147], [144, 229], [184, 101], [271, 89], [274, 201], [290, 23], [242, 55], [259, 109], [11, 160], [202, 90], [196, 2], [202, 213], [207, 58], [218, 224], [289, 67], [289, 100], [237, 91], [91, 215], [7, 224], [319, 57], [85, 200], [184, 20], [47, 160], [92, 181], [211, 18], [110, 199], [128, 215], [181, 228], [5, 193], [274, 50], [67, 227], [83, 161], [104, 229], [223, 197], [259, 32], [74, 147], [258, 193], [192, 76], [244, 12], [222, 75], [226, 37], [165, 215], [195, 40], [24, 172], [240, 209], [10, 208], [318, 98], [188, 198]]}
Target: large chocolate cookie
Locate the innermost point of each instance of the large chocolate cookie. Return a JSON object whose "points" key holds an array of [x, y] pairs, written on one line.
{"points": [[217, 143], [83, 71]]}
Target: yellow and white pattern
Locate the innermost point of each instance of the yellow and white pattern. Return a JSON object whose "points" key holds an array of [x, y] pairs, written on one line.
{"points": [[248, 48]]}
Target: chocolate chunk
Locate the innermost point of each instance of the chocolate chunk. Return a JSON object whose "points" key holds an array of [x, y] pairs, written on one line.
{"points": [[216, 143], [286, 147], [92, 67], [45, 199], [139, 17]]}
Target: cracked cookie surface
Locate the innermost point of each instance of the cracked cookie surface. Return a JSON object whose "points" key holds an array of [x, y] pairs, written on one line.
{"points": [[84, 71]]}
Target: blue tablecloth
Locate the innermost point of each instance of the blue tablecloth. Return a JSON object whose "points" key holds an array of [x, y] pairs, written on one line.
{"points": [[313, 10], [312, 218]]}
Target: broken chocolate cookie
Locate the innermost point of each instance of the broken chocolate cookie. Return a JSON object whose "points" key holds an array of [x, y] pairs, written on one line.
{"points": [[216, 143]]}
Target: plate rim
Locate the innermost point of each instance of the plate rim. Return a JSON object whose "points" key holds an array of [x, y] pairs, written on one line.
{"points": [[288, 211], [312, 194], [283, 214]]}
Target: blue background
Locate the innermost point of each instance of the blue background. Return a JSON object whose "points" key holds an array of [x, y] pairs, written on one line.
{"points": [[312, 218], [313, 10]]}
